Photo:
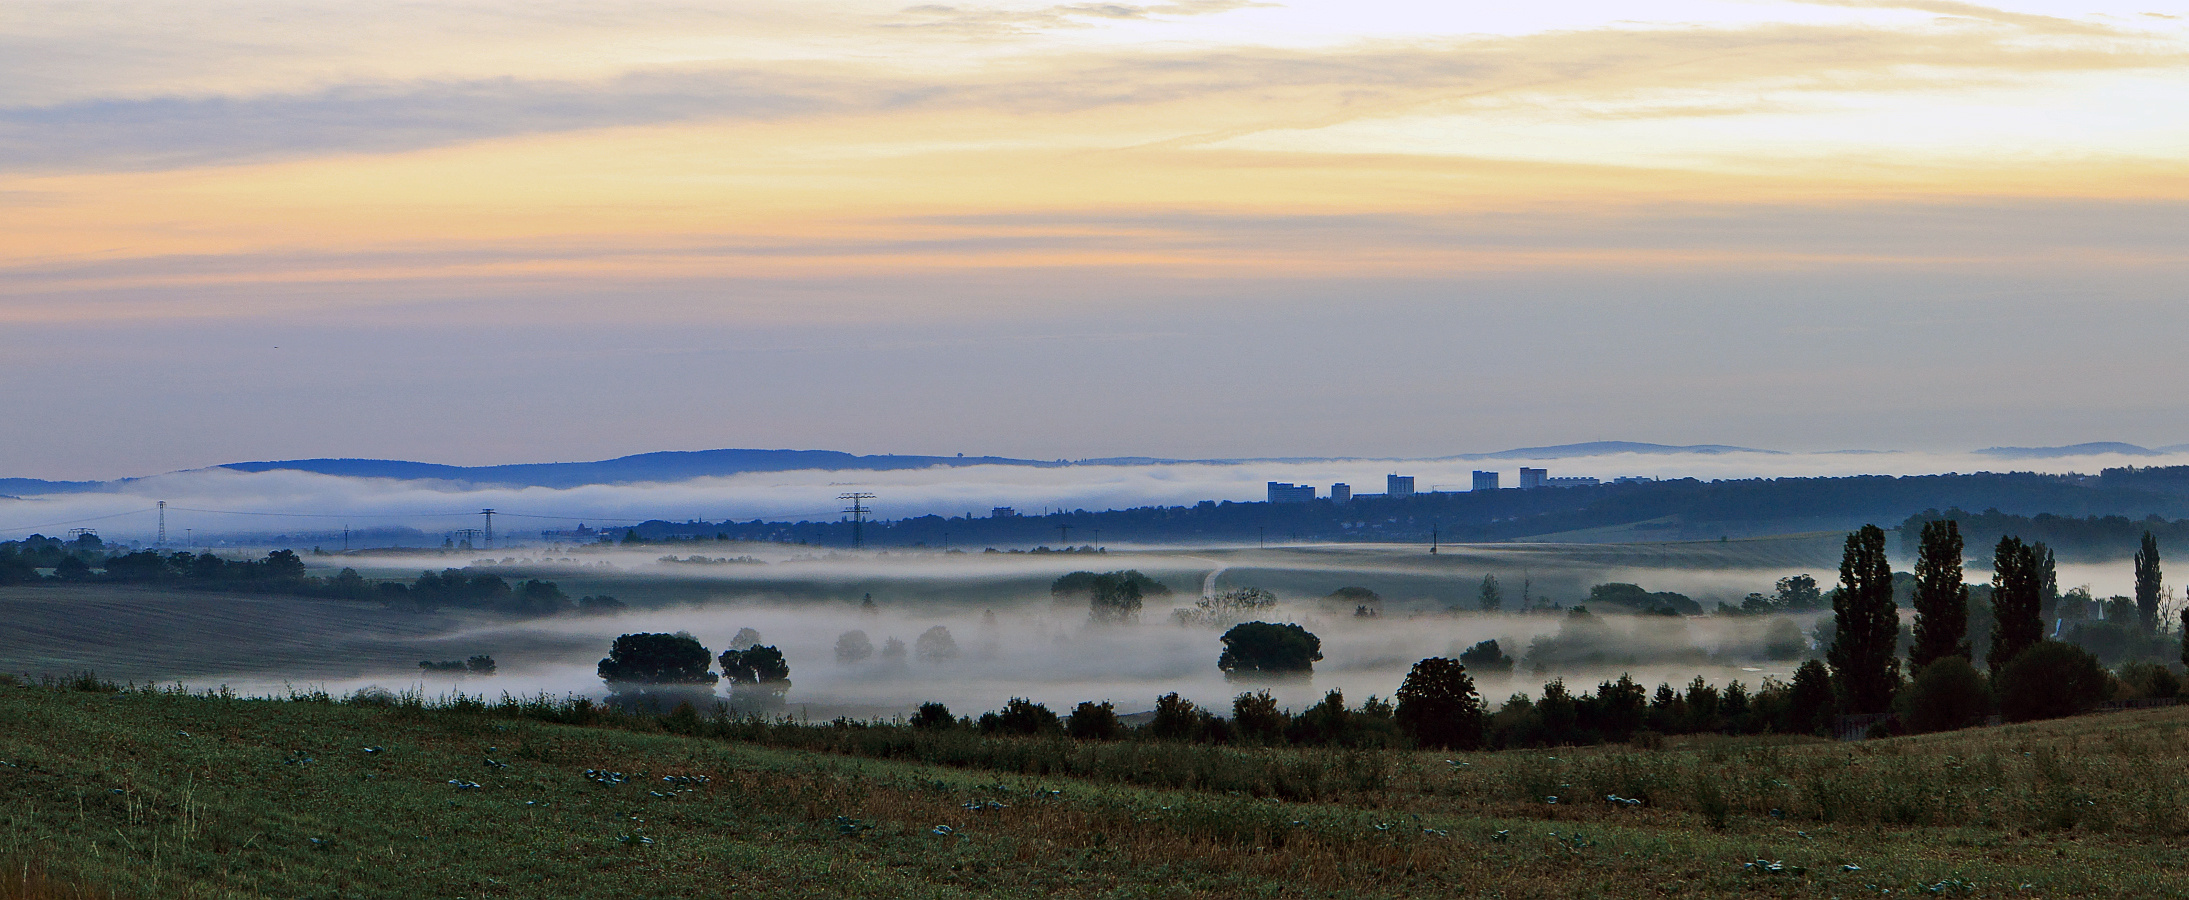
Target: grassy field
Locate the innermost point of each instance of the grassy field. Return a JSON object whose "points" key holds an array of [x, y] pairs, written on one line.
{"points": [[145, 794]]}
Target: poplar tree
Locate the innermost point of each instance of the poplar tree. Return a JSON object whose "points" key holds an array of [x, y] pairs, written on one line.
{"points": [[1941, 597], [1865, 671], [2017, 592], [2147, 583]]}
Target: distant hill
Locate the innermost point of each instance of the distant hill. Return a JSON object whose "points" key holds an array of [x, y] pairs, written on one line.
{"points": [[1605, 448], [643, 467], [2093, 448]]}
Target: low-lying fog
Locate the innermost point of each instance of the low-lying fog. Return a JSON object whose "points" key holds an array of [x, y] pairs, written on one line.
{"points": [[225, 501], [1011, 639]]}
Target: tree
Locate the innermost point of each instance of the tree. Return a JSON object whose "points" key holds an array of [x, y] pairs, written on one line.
{"points": [[755, 665], [1798, 592], [1114, 599], [1809, 703], [1438, 706], [1091, 721], [1176, 719], [2017, 592], [853, 647], [1263, 648], [72, 568], [1020, 716], [2049, 680], [935, 645], [1941, 596], [480, 664], [1227, 608], [1945, 695], [1257, 717], [1783, 640], [1867, 626], [1491, 597], [2147, 582], [1359, 600], [745, 637], [599, 605], [2185, 637], [2048, 582], [657, 659], [1487, 658]]}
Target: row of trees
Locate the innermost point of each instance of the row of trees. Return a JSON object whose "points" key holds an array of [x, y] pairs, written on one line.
{"points": [[2028, 676]]}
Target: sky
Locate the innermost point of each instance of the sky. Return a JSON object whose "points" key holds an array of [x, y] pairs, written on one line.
{"points": [[498, 232]]}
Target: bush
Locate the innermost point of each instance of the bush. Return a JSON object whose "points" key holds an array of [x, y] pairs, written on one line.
{"points": [[933, 716], [1176, 719], [2049, 680], [1094, 722], [2149, 681], [1946, 695]]}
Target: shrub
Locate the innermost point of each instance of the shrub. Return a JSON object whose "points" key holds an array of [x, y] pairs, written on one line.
{"points": [[2149, 680], [933, 716], [2048, 681], [1094, 722], [1946, 695]]}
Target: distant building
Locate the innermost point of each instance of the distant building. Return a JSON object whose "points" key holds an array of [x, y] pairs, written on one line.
{"points": [[1485, 481], [1632, 479], [1531, 479], [1287, 492], [1571, 481], [1003, 512], [1341, 492], [1396, 486]]}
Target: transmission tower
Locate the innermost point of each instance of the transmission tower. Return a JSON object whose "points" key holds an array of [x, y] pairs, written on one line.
{"points": [[858, 516], [489, 514], [163, 523]]}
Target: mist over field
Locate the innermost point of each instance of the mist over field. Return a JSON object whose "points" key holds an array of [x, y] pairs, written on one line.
{"points": [[229, 502]]}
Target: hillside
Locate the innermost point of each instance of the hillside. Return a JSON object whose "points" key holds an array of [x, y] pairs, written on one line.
{"points": [[165, 795]]}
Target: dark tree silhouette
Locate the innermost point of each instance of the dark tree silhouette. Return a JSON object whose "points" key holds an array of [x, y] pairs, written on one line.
{"points": [[2147, 582], [1944, 695], [1021, 716], [657, 659], [1809, 704], [2049, 680], [1941, 597], [1798, 592], [1263, 648], [933, 716], [1093, 721], [1864, 668], [1438, 706], [1487, 658], [1257, 717], [754, 665], [2017, 593]]}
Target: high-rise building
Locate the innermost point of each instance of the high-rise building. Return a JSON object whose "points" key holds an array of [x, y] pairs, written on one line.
{"points": [[1341, 492], [1485, 481], [1003, 512], [1396, 486], [1532, 478], [1287, 492]]}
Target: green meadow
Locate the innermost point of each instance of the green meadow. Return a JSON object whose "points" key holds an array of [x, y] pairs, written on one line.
{"points": [[164, 793]]}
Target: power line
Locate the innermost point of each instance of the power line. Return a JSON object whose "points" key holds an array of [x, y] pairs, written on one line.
{"points": [[858, 516]]}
